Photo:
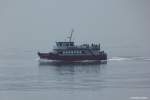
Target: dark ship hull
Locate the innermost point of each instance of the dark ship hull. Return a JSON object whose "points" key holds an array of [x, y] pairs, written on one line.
{"points": [[52, 56]]}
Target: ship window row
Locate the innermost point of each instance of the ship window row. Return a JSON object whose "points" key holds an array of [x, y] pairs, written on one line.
{"points": [[64, 44], [73, 52]]}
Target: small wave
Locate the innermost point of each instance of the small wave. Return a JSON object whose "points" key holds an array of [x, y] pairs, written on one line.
{"points": [[142, 58], [119, 58], [129, 58], [37, 59]]}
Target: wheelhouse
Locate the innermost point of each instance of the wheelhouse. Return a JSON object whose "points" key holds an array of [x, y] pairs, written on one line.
{"points": [[64, 44]]}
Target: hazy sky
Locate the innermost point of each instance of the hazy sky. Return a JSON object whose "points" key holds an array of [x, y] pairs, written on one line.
{"points": [[106, 21]]}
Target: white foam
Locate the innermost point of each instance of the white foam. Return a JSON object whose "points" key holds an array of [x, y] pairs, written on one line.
{"points": [[129, 58], [119, 58]]}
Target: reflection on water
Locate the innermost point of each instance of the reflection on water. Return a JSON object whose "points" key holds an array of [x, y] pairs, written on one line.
{"points": [[73, 67], [71, 75], [79, 63]]}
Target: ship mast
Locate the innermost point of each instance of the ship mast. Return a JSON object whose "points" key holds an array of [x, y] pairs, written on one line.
{"points": [[70, 37]]}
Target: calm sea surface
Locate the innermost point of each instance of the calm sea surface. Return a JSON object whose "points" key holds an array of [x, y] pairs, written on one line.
{"points": [[122, 77], [121, 26]]}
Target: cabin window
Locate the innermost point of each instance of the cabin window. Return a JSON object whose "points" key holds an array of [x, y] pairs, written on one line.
{"points": [[83, 52], [66, 52], [69, 52], [60, 52], [76, 51], [60, 44], [63, 44], [80, 52], [67, 45], [73, 52], [71, 44]]}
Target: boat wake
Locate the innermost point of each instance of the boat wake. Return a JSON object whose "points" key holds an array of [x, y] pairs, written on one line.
{"points": [[110, 59], [129, 59]]}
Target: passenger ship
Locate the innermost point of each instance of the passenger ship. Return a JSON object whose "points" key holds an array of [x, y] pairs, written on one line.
{"points": [[68, 51]]}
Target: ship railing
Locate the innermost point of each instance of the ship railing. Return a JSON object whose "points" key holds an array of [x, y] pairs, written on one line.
{"points": [[60, 47], [92, 47], [63, 47]]}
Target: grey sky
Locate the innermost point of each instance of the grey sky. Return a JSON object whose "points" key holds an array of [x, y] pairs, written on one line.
{"points": [[106, 21]]}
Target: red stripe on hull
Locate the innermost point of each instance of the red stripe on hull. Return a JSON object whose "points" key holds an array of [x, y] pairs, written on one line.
{"points": [[51, 56]]}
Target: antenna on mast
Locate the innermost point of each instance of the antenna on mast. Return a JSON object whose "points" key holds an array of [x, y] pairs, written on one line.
{"points": [[70, 37]]}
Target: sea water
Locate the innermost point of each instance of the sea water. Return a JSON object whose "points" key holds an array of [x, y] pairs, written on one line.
{"points": [[122, 28], [23, 76]]}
